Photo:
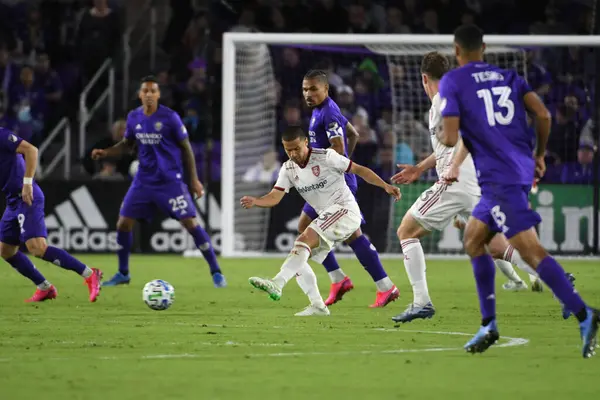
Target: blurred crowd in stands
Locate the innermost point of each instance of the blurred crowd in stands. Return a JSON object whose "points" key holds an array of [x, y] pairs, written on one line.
{"points": [[49, 49]]}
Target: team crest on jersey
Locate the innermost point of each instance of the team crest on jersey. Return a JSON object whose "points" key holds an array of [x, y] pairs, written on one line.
{"points": [[158, 126], [316, 170], [12, 138]]}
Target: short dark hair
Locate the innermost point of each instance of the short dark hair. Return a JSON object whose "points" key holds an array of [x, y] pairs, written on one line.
{"points": [[149, 79], [319, 74], [469, 37], [292, 133], [435, 65]]}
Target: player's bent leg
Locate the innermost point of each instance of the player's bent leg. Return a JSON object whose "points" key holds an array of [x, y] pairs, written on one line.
{"points": [[23, 265], [477, 236], [203, 243], [553, 275], [409, 233], [336, 274], [294, 262], [125, 241], [59, 257]]}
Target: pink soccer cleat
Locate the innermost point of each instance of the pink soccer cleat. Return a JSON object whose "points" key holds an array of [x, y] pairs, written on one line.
{"points": [[42, 295], [385, 298], [338, 290], [93, 284]]}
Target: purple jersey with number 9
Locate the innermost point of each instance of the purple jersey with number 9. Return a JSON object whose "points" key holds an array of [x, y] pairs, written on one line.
{"points": [[493, 121]]}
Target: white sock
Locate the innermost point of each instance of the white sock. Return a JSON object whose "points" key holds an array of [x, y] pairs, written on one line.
{"points": [[508, 270], [307, 280], [87, 272], [512, 255], [337, 276], [384, 284], [414, 263], [44, 285], [292, 264]]}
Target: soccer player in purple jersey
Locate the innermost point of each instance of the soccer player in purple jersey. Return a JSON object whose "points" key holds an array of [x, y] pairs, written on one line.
{"points": [[489, 106], [328, 129], [23, 221], [163, 150]]}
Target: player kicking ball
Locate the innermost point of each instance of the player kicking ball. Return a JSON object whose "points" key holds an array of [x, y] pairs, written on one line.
{"points": [[318, 175], [163, 151], [439, 205], [330, 129], [489, 106], [23, 221]]}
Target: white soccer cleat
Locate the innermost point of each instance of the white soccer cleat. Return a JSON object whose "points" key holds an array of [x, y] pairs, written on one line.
{"points": [[266, 285], [313, 310], [514, 286]]}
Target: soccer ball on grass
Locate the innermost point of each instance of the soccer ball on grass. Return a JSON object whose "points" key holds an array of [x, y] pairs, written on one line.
{"points": [[158, 294]]}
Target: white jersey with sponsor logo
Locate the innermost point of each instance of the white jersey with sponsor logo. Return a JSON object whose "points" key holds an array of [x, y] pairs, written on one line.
{"points": [[321, 181], [467, 177]]}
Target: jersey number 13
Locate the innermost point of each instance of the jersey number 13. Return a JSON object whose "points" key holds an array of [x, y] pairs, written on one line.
{"points": [[501, 95]]}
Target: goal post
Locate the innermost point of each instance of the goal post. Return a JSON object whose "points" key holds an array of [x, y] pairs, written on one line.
{"points": [[249, 127]]}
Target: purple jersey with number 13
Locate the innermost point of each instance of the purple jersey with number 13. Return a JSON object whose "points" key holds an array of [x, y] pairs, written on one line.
{"points": [[158, 183], [493, 124]]}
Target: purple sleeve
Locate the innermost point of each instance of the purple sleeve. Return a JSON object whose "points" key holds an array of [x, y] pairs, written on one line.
{"points": [[9, 141], [178, 127], [335, 124], [449, 105]]}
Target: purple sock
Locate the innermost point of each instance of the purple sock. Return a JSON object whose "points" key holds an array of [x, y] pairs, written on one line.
{"points": [[330, 263], [552, 274], [368, 257], [485, 273], [124, 240], [203, 243], [25, 267], [63, 259]]}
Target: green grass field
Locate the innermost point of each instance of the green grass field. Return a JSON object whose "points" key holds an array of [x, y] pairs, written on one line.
{"points": [[235, 343]]}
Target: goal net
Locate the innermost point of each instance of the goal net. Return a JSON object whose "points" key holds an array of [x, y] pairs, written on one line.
{"points": [[377, 85]]}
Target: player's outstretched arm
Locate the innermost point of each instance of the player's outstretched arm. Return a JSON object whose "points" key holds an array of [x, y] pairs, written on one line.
{"points": [[30, 153], [115, 151], [411, 173], [352, 135], [269, 200], [372, 178]]}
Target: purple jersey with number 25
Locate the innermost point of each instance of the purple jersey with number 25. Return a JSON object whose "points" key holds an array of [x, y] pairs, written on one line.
{"points": [[20, 222], [489, 102], [158, 184]]}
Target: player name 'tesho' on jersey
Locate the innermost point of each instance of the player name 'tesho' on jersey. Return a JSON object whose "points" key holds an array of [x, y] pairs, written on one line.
{"points": [[493, 121], [321, 181], [157, 136]]}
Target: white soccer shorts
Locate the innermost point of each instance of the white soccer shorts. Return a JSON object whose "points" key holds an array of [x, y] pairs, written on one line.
{"points": [[438, 205], [334, 225]]}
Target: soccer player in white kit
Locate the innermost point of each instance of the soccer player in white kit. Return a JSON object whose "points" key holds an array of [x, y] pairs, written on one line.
{"points": [[318, 175], [442, 203]]}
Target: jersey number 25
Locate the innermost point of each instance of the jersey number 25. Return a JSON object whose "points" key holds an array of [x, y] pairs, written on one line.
{"points": [[504, 102]]}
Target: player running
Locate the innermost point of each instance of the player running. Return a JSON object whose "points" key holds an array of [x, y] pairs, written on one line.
{"points": [[330, 129], [319, 176], [23, 221], [489, 105], [163, 150], [440, 204]]}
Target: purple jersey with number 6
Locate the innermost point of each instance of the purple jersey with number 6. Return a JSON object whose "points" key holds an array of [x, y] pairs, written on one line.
{"points": [[158, 184], [19, 222], [489, 102]]}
